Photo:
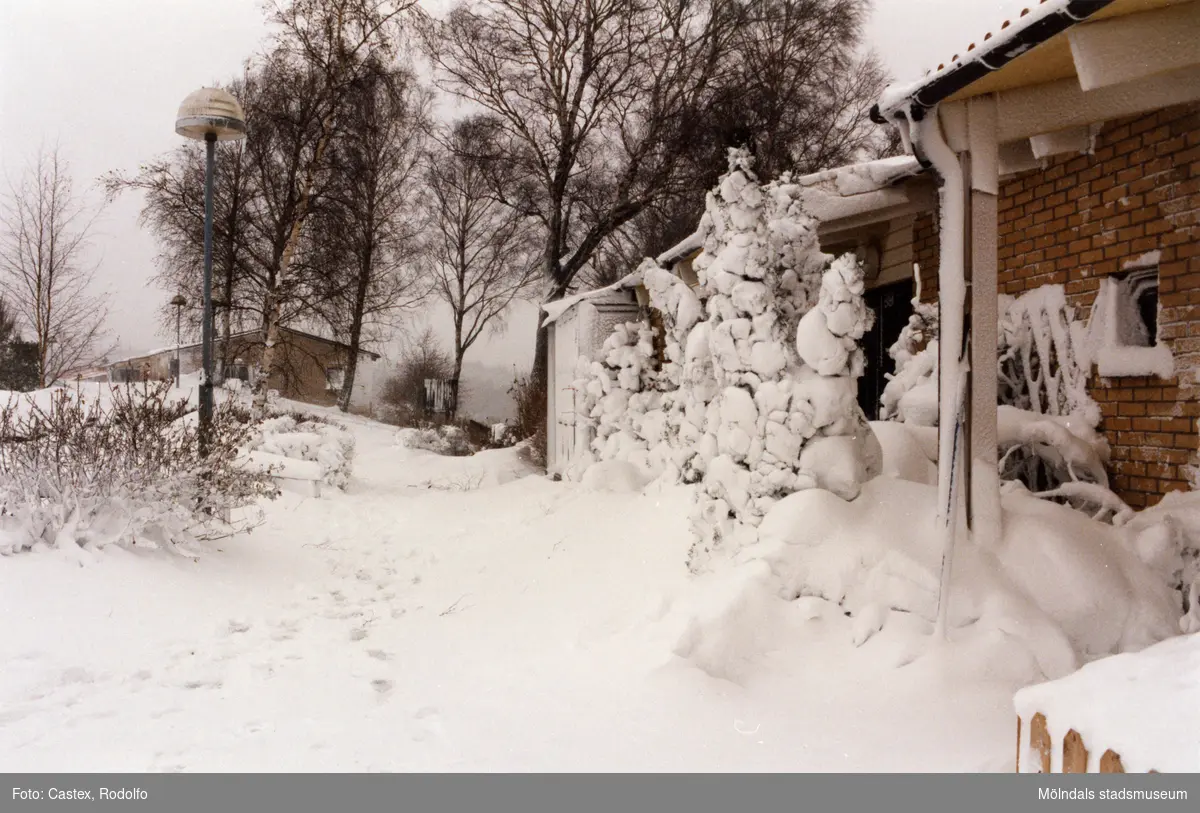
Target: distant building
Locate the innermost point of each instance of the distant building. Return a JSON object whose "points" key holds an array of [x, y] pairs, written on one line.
{"points": [[310, 368]]}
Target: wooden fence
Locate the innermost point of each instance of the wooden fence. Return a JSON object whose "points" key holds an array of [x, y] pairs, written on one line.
{"points": [[439, 396], [1074, 751]]}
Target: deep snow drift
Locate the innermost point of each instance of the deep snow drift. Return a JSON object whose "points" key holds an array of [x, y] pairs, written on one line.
{"points": [[459, 614]]}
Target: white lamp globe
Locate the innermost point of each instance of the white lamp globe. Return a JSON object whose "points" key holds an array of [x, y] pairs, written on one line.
{"points": [[211, 111]]}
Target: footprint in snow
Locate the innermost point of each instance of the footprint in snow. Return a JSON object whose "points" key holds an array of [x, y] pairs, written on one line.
{"points": [[428, 721], [381, 686], [237, 627], [202, 684], [379, 654], [357, 634]]}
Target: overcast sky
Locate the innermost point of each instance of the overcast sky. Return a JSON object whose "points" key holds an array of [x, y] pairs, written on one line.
{"points": [[103, 79]]}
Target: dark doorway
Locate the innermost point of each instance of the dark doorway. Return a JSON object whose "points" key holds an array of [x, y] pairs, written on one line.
{"points": [[892, 305]]}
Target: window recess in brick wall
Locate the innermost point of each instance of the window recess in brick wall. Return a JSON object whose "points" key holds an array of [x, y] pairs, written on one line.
{"points": [[1123, 328]]}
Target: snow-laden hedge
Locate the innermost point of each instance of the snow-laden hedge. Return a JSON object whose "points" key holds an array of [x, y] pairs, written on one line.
{"points": [[327, 444], [447, 439], [121, 468], [749, 385]]}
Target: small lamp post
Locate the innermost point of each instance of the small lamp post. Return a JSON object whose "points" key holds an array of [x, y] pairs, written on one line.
{"points": [[179, 303], [211, 115], [221, 304]]}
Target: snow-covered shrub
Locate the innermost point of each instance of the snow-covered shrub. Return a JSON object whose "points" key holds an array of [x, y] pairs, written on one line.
{"points": [[621, 391], [447, 439], [303, 437], [1043, 363], [1043, 371], [911, 392], [80, 473], [529, 396], [781, 338]]}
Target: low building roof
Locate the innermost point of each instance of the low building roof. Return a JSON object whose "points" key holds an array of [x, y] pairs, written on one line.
{"points": [[239, 335], [556, 309]]}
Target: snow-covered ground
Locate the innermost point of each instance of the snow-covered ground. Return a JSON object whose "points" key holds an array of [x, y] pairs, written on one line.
{"points": [[448, 614]]}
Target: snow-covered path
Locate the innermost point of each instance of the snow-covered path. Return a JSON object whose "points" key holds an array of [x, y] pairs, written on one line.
{"points": [[428, 619]]}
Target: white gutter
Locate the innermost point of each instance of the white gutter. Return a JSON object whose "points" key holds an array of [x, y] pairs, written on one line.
{"points": [[929, 144]]}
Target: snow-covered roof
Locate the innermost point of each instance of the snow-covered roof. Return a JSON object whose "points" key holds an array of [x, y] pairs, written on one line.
{"points": [[558, 307], [1032, 28], [855, 189], [681, 250], [241, 334]]}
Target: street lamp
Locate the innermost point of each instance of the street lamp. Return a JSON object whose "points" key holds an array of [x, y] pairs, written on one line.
{"points": [[179, 303], [211, 115]]}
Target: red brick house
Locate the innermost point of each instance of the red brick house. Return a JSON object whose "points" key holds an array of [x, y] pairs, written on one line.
{"points": [[1065, 147], [1074, 135]]}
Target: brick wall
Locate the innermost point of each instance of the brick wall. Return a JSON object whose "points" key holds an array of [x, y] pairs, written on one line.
{"points": [[1078, 219]]}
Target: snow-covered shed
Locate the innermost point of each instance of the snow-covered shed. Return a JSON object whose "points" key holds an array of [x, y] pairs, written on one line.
{"points": [[577, 326]]}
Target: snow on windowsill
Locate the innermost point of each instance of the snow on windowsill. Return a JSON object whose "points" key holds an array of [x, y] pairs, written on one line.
{"points": [[1117, 361], [1145, 706]]}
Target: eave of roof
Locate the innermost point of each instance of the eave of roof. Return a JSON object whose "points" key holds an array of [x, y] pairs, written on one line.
{"points": [[1013, 43]]}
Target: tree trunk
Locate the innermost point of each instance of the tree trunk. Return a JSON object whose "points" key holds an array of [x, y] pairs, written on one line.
{"points": [[274, 300], [356, 323], [452, 409]]}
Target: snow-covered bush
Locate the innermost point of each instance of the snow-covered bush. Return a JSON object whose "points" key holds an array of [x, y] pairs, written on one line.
{"points": [[1043, 363], [80, 473], [448, 439], [304, 437], [911, 392], [781, 337], [746, 386], [529, 397], [621, 391]]}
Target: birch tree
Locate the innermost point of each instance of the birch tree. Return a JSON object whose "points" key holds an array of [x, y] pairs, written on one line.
{"points": [[597, 98], [327, 45], [481, 255], [366, 237], [45, 275]]}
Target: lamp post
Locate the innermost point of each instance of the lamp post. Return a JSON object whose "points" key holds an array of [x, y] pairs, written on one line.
{"points": [[211, 115], [179, 304]]}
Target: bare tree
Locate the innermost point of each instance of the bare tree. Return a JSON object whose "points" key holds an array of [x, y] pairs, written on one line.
{"points": [[480, 255], [366, 236], [44, 273], [799, 89], [327, 45], [794, 90], [173, 210], [597, 99]]}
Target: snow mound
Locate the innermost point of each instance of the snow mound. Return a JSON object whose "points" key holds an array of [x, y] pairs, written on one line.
{"points": [[905, 457], [617, 476], [444, 440], [328, 445], [487, 469], [1143, 706], [1061, 589]]}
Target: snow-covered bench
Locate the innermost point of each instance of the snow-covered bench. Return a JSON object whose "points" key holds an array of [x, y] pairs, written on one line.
{"points": [[285, 468], [1137, 712]]}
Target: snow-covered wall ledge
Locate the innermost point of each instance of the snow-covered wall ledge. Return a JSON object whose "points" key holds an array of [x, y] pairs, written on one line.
{"points": [[1116, 340], [1143, 707]]}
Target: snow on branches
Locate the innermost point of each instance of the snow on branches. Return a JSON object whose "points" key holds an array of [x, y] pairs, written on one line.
{"points": [[746, 385]]}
